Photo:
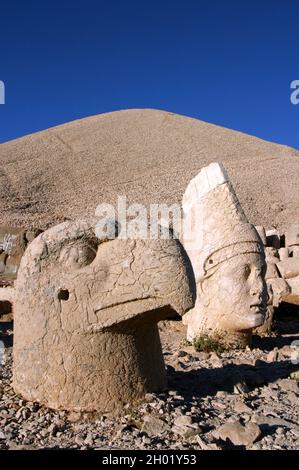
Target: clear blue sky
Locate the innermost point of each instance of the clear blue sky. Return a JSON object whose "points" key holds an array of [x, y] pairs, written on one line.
{"points": [[223, 61]]}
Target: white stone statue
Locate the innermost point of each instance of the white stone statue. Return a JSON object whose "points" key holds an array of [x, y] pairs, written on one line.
{"points": [[228, 260]]}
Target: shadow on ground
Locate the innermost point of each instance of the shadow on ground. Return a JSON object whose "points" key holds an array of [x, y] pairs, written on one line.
{"points": [[207, 382]]}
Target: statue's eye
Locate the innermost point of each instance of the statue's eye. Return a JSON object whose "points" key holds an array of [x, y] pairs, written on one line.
{"points": [[78, 256], [247, 271]]}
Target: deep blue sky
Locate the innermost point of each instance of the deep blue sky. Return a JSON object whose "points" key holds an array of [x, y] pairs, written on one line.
{"points": [[223, 61]]}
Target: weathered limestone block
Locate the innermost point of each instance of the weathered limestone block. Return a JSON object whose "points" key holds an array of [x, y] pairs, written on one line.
{"points": [[271, 271], [7, 293], [268, 323], [272, 255], [13, 242], [272, 258], [284, 282], [87, 309], [228, 261], [292, 295], [280, 288], [7, 297], [277, 288], [288, 268], [292, 235], [283, 253]]}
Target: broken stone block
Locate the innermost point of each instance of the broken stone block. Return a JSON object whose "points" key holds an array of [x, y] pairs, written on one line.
{"points": [[292, 235], [238, 434], [272, 255], [185, 427], [153, 426], [7, 296], [228, 260], [273, 238], [288, 268], [86, 314], [283, 253], [292, 296], [13, 242], [295, 252], [266, 327], [280, 288], [271, 272]]}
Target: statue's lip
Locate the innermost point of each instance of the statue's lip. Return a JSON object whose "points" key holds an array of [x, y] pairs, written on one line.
{"points": [[257, 304], [258, 309], [259, 319]]}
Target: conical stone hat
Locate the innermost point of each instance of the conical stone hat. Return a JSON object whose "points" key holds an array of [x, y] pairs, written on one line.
{"points": [[215, 225]]}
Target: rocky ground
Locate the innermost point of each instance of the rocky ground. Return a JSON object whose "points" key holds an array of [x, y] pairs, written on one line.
{"points": [[245, 400]]}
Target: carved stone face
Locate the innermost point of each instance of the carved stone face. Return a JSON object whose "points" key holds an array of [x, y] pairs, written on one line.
{"points": [[228, 260], [235, 293]]}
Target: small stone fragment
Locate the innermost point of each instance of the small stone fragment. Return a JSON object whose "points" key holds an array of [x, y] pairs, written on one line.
{"points": [[154, 426], [238, 434]]}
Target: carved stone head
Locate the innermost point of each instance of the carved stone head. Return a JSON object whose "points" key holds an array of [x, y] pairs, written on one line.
{"points": [[228, 260], [86, 316]]}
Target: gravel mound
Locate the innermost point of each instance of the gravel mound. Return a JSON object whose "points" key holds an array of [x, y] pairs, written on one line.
{"points": [[147, 155]]}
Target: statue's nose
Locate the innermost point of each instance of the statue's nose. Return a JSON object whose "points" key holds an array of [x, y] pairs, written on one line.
{"points": [[257, 287]]}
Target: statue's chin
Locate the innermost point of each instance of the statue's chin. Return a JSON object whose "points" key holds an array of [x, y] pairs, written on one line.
{"points": [[258, 318], [254, 317]]}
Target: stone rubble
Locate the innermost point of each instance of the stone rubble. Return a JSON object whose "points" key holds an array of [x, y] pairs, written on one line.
{"points": [[201, 399], [282, 257], [13, 242]]}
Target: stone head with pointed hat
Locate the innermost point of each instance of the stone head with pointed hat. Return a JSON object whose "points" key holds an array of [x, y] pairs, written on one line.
{"points": [[228, 260]]}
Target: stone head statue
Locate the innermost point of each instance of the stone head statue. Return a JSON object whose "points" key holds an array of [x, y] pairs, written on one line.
{"points": [[228, 260], [87, 309]]}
